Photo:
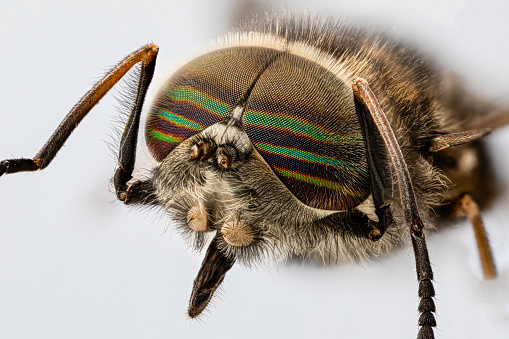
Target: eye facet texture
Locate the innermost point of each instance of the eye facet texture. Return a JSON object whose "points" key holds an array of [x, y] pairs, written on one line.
{"points": [[299, 116], [301, 119], [200, 94]]}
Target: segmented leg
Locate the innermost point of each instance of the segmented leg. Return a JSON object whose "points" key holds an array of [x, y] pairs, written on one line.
{"points": [[147, 56], [369, 106], [380, 173], [466, 206], [128, 142]]}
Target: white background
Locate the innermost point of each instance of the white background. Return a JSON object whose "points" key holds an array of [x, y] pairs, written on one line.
{"points": [[76, 264]]}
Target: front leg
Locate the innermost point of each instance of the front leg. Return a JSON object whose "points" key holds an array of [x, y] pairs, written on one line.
{"points": [[128, 142], [465, 206], [369, 107], [147, 56], [380, 173]]}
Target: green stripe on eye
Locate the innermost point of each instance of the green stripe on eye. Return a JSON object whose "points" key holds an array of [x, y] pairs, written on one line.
{"points": [[165, 137], [316, 181], [179, 120], [307, 156], [297, 126], [200, 99]]}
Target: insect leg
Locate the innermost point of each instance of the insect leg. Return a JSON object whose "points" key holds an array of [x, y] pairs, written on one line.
{"points": [[379, 172], [370, 107], [138, 191], [443, 141], [466, 206], [146, 54]]}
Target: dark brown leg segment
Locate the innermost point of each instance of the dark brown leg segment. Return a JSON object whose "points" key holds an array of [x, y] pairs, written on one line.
{"points": [[128, 142], [368, 104], [466, 206], [78, 112], [380, 173], [147, 56]]}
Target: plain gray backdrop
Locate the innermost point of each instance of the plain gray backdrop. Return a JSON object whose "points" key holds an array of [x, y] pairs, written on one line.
{"points": [[76, 264]]}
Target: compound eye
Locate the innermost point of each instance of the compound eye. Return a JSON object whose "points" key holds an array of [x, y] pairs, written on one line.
{"points": [[301, 119], [200, 94]]}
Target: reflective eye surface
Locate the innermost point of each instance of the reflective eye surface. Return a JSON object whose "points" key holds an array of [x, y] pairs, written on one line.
{"points": [[200, 94], [298, 115], [301, 119]]}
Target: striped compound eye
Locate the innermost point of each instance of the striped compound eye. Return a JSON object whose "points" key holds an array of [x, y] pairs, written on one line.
{"points": [[200, 94], [298, 115], [301, 119]]}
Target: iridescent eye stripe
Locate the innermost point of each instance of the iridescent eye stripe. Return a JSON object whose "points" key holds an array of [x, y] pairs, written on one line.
{"points": [[320, 182], [165, 137], [179, 120], [297, 126], [301, 119], [186, 111], [310, 157], [200, 99], [201, 93]]}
